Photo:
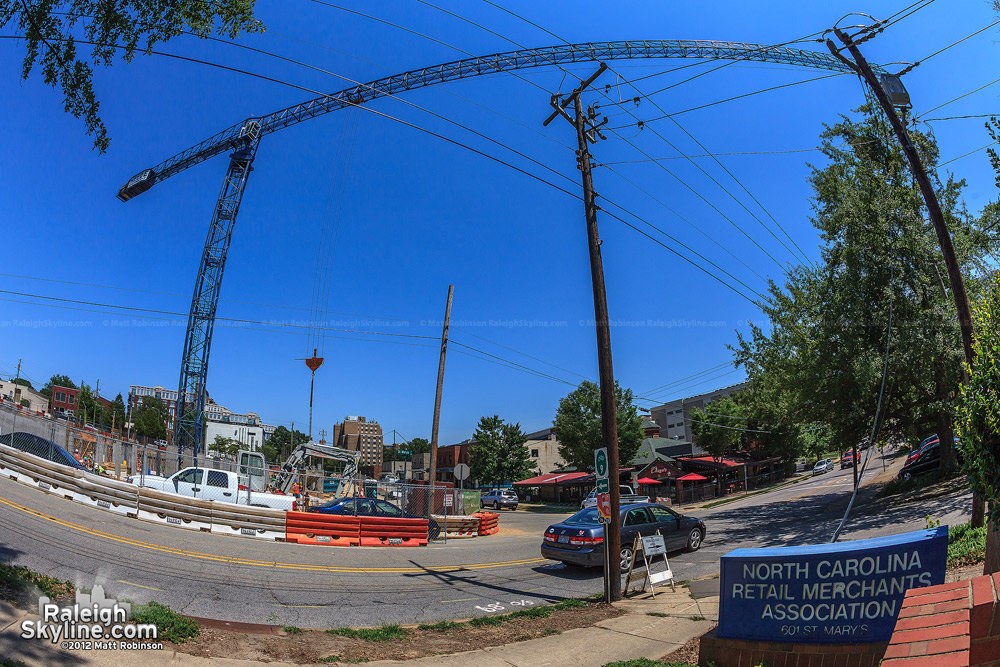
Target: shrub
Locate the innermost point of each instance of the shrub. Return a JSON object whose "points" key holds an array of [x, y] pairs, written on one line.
{"points": [[170, 626], [966, 545]]}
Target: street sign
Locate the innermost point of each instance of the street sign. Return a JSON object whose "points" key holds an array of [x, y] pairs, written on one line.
{"points": [[603, 490], [462, 471], [448, 502]]}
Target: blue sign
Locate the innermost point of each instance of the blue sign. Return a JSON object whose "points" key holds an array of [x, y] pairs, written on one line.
{"points": [[841, 593]]}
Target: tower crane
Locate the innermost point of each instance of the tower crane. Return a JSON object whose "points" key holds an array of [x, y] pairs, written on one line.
{"points": [[242, 140]]}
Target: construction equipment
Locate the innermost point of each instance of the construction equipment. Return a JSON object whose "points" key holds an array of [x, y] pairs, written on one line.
{"points": [[254, 467]]}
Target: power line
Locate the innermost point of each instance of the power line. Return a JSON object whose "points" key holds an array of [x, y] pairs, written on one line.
{"points": [[910, 68], [683, 379], [917, 118], [469, 333], [731, 428], [507, 363], [687, 387], [992, 143]]}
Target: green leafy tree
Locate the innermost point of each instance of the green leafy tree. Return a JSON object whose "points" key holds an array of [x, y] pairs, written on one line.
{"points": [[117, 414], [715, 428], [978, 418], [149, 419], [281, 443], [52, 30], [821, 357], [56, 381], [578, 425], [419, 445], [497, 454], [89, 409], [21, 381], [225, 447]]}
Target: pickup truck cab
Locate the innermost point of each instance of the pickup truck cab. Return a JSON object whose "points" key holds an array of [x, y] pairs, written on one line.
{"points": [[208, 484], [626, 493]]}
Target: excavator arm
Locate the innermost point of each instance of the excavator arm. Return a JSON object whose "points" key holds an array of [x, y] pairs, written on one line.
{"points": [[285, 477]]}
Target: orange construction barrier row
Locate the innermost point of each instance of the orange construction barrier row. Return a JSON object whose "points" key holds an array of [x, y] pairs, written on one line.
{"points": [[379, 531], [489, 522], [325, 529]]}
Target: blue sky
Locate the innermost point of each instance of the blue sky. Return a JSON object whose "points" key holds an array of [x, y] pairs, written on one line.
{"points": [[414, 213]]}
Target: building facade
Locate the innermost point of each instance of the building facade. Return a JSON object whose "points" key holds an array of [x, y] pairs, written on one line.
{"points": [[23, 396], [674, 418], [543, 449], [360, 435], [136, 394]]}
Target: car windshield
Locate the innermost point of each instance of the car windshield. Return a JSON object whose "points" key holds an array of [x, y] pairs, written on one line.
{"points": [[587, 517]]}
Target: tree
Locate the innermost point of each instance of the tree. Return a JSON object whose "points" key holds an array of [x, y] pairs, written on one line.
{"points": [[117, 415], [578, 425], [498, 454], [49, 26], [56, 381], [21, 381], [149, 418], [224, 446], [978, 419], [715, 430], [420, 445], [281, 443], [823, 355]]}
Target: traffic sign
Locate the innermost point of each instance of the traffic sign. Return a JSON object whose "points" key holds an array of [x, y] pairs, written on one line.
{"points": [[601, 462], [604, 506], [462, 471]]}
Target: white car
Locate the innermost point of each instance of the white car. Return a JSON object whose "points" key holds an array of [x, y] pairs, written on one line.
{"points": [[822, 466]]}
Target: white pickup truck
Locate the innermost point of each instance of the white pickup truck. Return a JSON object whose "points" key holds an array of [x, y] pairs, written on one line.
{"points": [[207, 484], [625, 493]]}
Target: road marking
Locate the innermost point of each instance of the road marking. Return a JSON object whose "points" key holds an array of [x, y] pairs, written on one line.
{"points": [[459, 600], [148, 588], [301, 606], [232, 560], [817, 488]]}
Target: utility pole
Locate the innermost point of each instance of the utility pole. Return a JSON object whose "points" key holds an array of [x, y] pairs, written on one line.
{"points": [[17, 404], [861, 67], [437, 401], [588, 130]]}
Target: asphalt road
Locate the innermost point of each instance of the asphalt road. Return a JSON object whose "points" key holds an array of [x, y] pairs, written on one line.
{"points": [[266, 582]]}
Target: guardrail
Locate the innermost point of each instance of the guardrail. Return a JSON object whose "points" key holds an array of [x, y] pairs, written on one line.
{"points": [[458, 526], [317, 528], [390, 531]]}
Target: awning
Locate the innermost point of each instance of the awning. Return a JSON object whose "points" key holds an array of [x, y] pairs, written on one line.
{"points": [[553, 478], [692, 477]]}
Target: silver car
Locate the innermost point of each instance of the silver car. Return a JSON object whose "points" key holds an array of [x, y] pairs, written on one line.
{"points": [[499, 499], [823, 465]]}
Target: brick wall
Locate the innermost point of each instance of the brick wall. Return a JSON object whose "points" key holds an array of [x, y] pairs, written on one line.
{"points": [[725, 652], [950, 625]]}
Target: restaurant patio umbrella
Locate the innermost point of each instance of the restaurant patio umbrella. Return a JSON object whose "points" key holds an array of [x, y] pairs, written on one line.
{"points": [[692, 477], [647, 480]]}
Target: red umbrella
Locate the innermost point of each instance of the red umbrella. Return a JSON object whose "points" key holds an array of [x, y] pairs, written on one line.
{"points": [[692, 477], [647, 480]]}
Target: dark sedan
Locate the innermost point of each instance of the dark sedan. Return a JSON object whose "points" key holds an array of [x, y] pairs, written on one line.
{"points": [[929, 460], [579, 540], [372, 507]]}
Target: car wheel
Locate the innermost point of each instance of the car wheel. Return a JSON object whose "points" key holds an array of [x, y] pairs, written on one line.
{"points": [[694, 539], [627, 556]]}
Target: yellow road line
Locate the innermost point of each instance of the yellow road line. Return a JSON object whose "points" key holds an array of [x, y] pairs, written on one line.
{"points": [[832, 481], [148, 588], [233, 560], [460, 600]]}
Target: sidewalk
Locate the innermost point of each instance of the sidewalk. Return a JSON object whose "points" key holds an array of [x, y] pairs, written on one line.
{"points": [[637, 634]]}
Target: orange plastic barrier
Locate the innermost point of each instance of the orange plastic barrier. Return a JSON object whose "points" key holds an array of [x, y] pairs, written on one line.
{"points": [[489, 522], [325, 529], [378, 531]]}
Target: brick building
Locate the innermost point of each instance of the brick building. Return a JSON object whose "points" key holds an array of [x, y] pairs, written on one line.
{"points": [[360, 435]]}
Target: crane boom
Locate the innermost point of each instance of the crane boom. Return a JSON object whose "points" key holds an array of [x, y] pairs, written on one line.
{"points": [[233, 137], [284, 478]]}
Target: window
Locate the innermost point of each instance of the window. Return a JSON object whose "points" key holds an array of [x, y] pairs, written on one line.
{"points": [[662, 514], [218, 478], [71, 399], [534, 453], [190, 476], [637, 517]]}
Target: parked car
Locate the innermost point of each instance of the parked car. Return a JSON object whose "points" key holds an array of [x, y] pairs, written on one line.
{"points": [[822, 466], [928, 461], [372, 507], [33, 444], [498, 499], [920, 449], [847, 460], [579, 540], [626, 496]]}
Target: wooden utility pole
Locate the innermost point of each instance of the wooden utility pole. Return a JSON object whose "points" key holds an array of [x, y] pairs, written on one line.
{"points": [[861, 66], [437, 402], [587, 130]]}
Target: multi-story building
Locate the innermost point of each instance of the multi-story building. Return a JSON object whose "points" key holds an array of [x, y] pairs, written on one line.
{"points": [[24, 396], [65, 401], [543, 449], [360, 435], [673, 418], [246, 429]]}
